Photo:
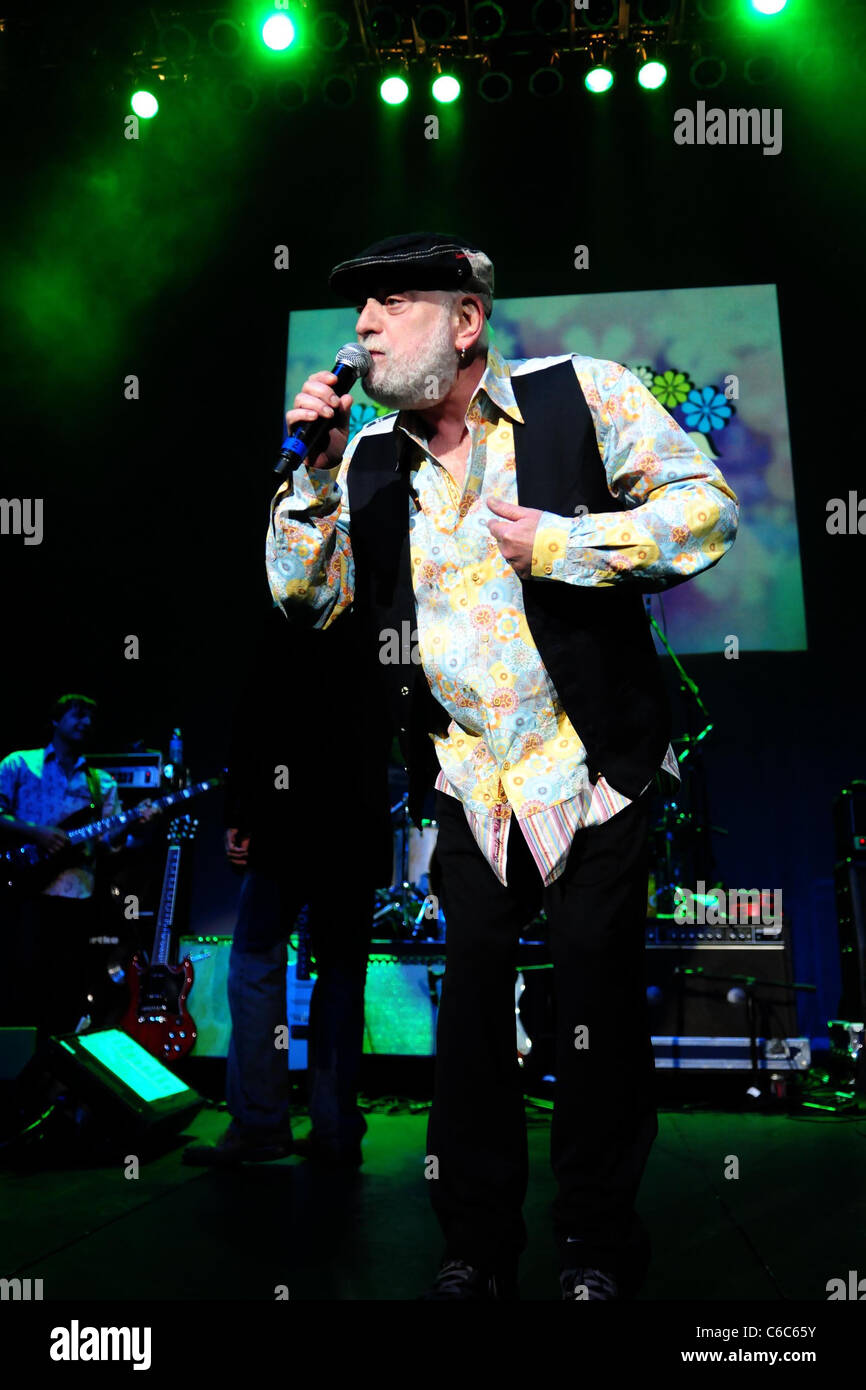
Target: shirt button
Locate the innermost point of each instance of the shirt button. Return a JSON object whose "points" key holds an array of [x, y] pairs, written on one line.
{"points": [[476, 578], [506, 767], [548, 569], [404, 690]]}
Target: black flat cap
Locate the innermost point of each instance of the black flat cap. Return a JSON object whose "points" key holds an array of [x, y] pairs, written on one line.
{"points": [[417, 261]]}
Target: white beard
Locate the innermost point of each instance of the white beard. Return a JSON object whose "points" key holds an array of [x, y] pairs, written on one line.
{"points": [[418, 380]]}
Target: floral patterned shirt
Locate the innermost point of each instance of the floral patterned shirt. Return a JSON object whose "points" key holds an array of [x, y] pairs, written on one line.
{"points": [[510, 751]]}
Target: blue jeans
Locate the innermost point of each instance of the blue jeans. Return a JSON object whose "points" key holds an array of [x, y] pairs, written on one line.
{"points": [[257, 1078]]}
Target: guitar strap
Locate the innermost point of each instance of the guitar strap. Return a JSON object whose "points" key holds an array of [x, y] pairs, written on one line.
{"points": [[94, 786], [101, 885]]}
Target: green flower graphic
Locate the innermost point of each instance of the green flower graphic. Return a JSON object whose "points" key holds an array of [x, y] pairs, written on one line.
{"points": [[671, 388]]}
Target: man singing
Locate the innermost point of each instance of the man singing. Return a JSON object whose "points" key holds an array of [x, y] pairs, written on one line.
{"points": [[513, 513]]}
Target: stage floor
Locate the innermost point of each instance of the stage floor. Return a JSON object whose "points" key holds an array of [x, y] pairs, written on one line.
{"points": [[792, 1220]]}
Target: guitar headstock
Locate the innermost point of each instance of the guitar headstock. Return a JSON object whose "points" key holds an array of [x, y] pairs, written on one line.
{"points": [[182, 828]]}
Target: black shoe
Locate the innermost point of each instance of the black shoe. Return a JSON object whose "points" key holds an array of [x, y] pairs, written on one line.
{"points": [[457, 1279], [236, 1147], [329, 1155], [583, 1285]]}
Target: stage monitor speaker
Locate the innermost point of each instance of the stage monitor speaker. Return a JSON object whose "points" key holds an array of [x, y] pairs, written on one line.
{"points": [[124, 1090]]}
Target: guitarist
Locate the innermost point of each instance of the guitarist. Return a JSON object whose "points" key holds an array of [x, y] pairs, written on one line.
{"points": [[50, 959]]}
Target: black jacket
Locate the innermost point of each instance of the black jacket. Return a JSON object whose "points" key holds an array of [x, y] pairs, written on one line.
{"points": [[595, 643], [302, 708]]}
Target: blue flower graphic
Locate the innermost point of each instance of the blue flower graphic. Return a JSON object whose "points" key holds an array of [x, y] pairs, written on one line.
{"points": [[706, 409], [360, 414]]}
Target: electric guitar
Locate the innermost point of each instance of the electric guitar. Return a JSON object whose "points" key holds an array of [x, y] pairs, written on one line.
{"points": [[157, 1016], [28, 868]]}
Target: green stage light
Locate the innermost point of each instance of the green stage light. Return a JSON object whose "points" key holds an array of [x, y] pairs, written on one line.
{"points": [[394, 90], [598, 80], [652, 75], [446, 88], [144, 104], [278, 32], [768, 6]]}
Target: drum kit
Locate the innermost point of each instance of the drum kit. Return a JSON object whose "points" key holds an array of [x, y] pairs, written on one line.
{"points": [[408, 909]]}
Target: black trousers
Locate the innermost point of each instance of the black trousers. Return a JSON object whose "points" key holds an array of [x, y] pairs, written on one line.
{"points": [[604, 1119]]}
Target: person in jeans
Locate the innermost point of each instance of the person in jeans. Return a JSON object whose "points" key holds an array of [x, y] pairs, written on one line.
{"points": [[303, 836]]}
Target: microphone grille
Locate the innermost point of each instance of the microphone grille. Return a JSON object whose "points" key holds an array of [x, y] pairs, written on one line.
{"points": [[356, 356]]}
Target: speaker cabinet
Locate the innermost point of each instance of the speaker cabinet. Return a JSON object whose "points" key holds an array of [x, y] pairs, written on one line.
{"points": [[849, 877], [702, 991]]}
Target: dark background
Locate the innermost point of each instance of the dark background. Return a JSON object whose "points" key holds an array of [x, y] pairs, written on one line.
{"points": [[155, 257]]}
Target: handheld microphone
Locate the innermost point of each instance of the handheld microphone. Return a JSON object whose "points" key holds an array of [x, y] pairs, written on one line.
{"points": [[307, 437]]}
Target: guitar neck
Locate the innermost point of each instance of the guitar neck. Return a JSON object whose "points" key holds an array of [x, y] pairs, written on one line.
{"points": [[165, 916], [107, 824]]}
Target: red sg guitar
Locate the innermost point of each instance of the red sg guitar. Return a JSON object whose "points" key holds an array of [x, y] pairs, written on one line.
{"points": [[157, 1016]]}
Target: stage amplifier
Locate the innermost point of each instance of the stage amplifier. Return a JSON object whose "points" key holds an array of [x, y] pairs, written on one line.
{"points": [[702, 989], [666, 931], [131, 770], [209, 1004]]}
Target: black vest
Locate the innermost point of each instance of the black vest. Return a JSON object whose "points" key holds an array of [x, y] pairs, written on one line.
{"points": [[595, 643]]}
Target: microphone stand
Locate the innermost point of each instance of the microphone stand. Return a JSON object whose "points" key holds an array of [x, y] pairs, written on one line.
{"points": [[698, 815], [748, 984]]}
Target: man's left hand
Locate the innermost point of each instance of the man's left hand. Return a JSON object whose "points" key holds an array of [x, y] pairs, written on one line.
{"points": [[515, 533]]}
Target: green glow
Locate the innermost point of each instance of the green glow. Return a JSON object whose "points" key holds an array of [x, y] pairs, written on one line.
{"points": [[446, 88], [768, 6], [278, 32], [394, 90], [652, 75], [144, 104], [132, 1064], [598, 80]]}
